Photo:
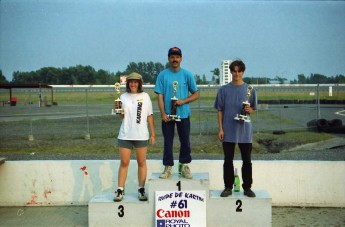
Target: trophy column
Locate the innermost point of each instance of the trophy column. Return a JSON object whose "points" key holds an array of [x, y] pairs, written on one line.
{"points": [[117, 103], [173, 114], [243, 116]]}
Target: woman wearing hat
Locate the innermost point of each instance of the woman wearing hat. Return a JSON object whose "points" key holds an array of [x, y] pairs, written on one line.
{"points": [[134, 133]]}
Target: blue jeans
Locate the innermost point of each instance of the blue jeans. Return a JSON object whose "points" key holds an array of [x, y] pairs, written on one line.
{"points": [[228, 166], [183, 130]]}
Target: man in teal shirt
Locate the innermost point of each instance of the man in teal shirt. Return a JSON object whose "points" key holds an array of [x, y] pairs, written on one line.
{"points": [[185, 91]]}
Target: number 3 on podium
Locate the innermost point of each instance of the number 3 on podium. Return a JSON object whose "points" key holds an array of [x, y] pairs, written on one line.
{"points": [[121, 212]]}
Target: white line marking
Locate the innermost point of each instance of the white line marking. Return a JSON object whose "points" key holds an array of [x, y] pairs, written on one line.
{"points": [[340, 112]]}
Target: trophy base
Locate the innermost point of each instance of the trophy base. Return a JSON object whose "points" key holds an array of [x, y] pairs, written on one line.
{"points": [[242, 118], [174, 118], [116, 111], [246, 103]]}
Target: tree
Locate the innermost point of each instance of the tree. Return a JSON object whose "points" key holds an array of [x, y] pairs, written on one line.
{"points": [[340, 79], [256, 80], [25, 77], [103, 77], [3, 79], [216, 73], [149, 71], [281, 80], [197, 79], [301, 79], [293, 81], [204, 81], [48, 75], [318, 79]]}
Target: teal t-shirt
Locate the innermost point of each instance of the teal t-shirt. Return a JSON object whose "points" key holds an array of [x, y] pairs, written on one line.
{"points": [[186, 85]]}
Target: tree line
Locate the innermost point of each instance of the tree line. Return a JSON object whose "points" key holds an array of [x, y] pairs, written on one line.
{"points": [[87, 75], [319, 79], [301, 79]]}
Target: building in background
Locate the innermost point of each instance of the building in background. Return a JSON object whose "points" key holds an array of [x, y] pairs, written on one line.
{"points": [[226, 76]]}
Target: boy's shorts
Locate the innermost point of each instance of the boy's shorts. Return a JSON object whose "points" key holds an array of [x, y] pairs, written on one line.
{"points": [[129, 144]]}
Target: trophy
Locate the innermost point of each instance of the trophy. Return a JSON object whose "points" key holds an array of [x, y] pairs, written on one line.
{"points": [[117, 103], [173, 116], [243, 116]]}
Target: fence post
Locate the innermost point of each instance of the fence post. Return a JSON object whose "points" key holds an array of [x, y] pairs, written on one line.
{"points": [[199, 112], [31, 136], [87, 136], [318, 101]]}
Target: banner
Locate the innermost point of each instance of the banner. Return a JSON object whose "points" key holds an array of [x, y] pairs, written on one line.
{"points": [[180, 208]]}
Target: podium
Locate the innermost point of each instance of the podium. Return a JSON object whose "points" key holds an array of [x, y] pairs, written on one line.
{"points": [[103, 211], [200, 182], [235, 210], [239, 210]]}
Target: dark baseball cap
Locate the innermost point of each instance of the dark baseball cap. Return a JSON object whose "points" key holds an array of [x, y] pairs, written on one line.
{"points": [[175, 51]]}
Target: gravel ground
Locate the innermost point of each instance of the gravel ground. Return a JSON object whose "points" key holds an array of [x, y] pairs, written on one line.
{"points": [[78, 216]]}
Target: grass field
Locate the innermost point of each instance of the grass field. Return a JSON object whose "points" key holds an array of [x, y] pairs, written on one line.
{"points": [[65, 134], [107, 95], [208, 144]]}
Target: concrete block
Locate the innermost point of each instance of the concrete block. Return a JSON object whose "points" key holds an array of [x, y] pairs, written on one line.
{"points": [[235, 210], [200, 182], [103, 211], [239, 210]]}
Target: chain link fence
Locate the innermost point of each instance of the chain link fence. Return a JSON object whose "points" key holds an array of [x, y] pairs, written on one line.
{"points": [[85, 112]]}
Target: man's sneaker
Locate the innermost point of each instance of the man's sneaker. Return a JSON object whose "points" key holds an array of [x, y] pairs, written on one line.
{"points": [[249, 193], [141, 194], [166, 173], [185, 172], [119, 195], [226, 192]]}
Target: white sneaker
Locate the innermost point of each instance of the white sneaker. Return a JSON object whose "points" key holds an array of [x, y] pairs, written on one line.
{"points": [[185, 172], [167, 173], [119, 195]]}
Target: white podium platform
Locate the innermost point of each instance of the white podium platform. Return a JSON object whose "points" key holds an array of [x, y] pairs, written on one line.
{"points": [[239, 210], [200, 182], [103, 211], [235, 210]]}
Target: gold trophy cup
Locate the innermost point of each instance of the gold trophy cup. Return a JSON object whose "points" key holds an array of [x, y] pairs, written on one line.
{"points": [[244, 117], [173, 115], [117, 102]]}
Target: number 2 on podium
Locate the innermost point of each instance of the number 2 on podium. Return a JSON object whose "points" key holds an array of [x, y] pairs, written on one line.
{"points": [[239, 205]]}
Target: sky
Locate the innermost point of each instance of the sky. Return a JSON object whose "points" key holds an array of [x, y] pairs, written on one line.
{"points": [[273, 38]]}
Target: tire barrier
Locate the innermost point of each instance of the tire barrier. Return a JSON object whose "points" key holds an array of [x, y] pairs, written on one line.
{"points": [[322, 125], [279, 132], [335, 123]]}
